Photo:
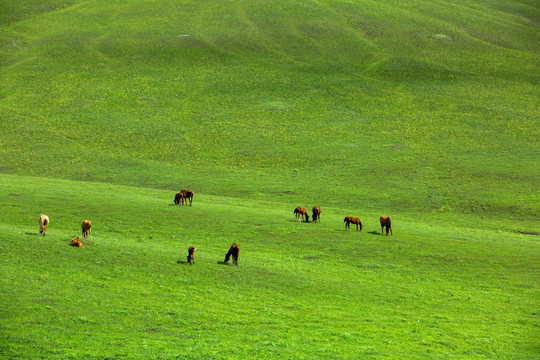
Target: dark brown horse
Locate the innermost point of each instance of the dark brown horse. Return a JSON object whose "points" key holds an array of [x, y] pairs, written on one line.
{"points": [[316, 214], [188, 195], [301, 214], [234, 251], [354, 220], [179, 198], [191, 252], [386, 223]]}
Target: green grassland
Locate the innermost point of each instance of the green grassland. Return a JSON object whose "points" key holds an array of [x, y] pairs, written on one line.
{"points": [[424, 111]]}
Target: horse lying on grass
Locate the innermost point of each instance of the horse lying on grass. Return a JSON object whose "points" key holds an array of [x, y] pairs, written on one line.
{"points": [[76, 242]]}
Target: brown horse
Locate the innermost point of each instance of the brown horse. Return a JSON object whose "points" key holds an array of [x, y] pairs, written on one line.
{"points": [[76, 242], [316, 214], [43, 222], [301, 214], [179, 197], [354, 220], [234, 251], [188, 195], [191, 252], [86, 229], [386, 223]]}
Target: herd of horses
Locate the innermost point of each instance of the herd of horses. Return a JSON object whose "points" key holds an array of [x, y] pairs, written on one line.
{"points": [[302, 215], [185, 196]]}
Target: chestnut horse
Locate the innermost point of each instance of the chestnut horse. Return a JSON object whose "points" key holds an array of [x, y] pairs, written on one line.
{"points": [[43, 222], [301, 214], [354, 220], [188, 195], [234, 251], [86, 229], [316, 214], [191, 252], [76, 242], [386, 223]]}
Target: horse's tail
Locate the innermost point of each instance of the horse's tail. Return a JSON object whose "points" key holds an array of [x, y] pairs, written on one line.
{"points": [[45, 222]]}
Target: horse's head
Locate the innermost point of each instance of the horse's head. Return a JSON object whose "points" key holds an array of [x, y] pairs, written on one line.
{"points": [[307, 217]]}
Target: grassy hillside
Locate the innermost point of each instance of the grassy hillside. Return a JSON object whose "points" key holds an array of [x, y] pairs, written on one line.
{"points": [[427, 112]]}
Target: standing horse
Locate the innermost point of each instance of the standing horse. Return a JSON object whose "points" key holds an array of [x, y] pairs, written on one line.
{"points": [[354, 220], [191, 252], [188, 195], [301, 214], [86, 229], [234, 251], [386, 223], [316, 214], [43, 222], [179, 197]]}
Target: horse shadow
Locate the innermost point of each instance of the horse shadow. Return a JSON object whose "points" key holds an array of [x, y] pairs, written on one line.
{"points": [[32, 234], [182, 262], [223, 263], [374, 233]]}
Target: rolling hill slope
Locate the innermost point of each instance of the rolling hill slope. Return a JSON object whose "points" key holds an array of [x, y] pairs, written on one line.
{"points": [[427, 112]]}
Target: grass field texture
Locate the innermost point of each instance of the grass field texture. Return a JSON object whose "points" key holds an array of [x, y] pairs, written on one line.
{"points": [[426, 112]]}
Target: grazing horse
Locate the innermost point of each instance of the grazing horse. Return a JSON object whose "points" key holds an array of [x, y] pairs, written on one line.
{"points": [[351, 219], [179, 197], [386, 223], [188, 195], [86, 229], [76, 242], [316, 214], [301, 213], [191, 252], [234, 251], [43, 222]]}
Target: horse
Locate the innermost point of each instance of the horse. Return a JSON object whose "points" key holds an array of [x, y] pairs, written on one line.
{"points": [[76, 242], [188, 195], [43, 222], [191, 252], [86, 229], [301, 213], [234, 251], [351, 219], [316, 214], [386, 223], [179, 197]]}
